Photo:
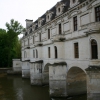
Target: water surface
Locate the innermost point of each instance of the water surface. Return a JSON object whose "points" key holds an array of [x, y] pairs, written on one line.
{"points": [[16, 88]]}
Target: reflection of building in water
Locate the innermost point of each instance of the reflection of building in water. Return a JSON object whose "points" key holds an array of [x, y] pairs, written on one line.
{"points": [[61, 44]]}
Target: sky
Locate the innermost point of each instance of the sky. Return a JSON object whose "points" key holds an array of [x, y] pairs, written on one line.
{"points": [[20, 10]]}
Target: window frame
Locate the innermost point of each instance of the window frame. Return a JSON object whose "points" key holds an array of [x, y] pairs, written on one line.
{"points": [[97, 13], [75, 23], [60, 28], [76, 50], [49, 53]]}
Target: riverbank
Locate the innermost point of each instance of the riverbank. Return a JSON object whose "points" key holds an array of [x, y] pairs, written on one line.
{"points": [[4, 70]]}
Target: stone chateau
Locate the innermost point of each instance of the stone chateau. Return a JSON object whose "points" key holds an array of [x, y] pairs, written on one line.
{"points": [[62, 48]]}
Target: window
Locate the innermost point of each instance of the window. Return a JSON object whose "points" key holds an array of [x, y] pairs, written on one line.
{"points": [[33, 53], [48, 33], [48, 16], [36, 53], [40, 37], [75, 23], [28, 41], [94, 51], [74, 1], [97, 13], [76, 51], [56, 56], [33, 39], [48, 52], [58, 9], [59, 28]]}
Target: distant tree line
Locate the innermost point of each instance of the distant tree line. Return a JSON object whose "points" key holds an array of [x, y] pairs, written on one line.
{"points": [[10, 46]]}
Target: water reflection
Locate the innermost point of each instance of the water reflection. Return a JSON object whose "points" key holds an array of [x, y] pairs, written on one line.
{"points": [[16, 88]]}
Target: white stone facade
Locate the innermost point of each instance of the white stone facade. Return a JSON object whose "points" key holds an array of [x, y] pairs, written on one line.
{"points": [[53, 43]]}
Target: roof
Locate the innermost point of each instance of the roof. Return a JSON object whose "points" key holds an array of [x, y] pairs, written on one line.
{"points": [[53, 9]]}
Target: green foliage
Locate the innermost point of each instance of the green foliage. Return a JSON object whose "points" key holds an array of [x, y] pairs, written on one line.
{"points": [[10, 47]]}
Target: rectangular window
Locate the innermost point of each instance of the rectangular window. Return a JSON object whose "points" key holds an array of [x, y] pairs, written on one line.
{"points": [[76, 50], [33, 39], [48, 33], [28, 41], [40, 37], [97, 14], [48, 52], [75, 23], [33, 53], [60, 29]]}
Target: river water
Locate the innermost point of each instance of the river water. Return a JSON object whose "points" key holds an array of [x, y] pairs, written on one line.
{"points": [[16, 88]]}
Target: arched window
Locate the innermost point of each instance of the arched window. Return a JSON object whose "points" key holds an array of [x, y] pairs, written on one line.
{"points": [[36, 53], [33, 53], [56, 56], [25, 54], [94, 49]]}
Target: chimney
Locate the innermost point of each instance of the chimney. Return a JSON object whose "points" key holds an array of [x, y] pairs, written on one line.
{"points": [[28, 22]]}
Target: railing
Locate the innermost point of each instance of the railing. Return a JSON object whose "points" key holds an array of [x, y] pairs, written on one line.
{"points": [[58, 37], [38, 43]]}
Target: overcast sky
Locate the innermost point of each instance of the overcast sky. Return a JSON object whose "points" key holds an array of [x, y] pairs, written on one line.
{"points": [[23, 9]]}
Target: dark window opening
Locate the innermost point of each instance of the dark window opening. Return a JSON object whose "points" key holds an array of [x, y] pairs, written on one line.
{"points": [[48, 52], [48, 33], [76, 50], [40, 37], [28, 41], [56, 56], [33, 39], [97, 13], [58, 9], [74, 1], [25, 33], [36, 53], [75, 23], [94, 51], [60, 29], [48, 16], [33, 53]]}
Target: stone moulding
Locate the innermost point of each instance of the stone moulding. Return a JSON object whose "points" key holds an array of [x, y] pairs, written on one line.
{"points": [[93, 68], [59, 63]]}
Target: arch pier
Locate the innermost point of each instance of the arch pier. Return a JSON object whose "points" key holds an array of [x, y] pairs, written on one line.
{"points": [[36, 72], [57, 79], [93, 82]]}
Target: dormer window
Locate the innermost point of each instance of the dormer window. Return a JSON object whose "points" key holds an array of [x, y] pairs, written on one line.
{"points": [[73, 3], [48, 15], [59, 8]]}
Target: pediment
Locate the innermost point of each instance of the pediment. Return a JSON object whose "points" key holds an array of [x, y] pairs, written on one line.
{"points": [[92, 3], [74, 12]]}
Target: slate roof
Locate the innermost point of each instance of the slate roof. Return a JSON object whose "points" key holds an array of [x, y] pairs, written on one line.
{"points": [[53, 9]]}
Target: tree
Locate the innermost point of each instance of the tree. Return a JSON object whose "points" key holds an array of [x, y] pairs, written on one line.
{"points": [[14, 28], [10, 46]]}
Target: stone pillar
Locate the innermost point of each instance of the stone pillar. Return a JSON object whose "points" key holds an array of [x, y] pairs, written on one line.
{"points": [[93, 83], [36, 73], [25, 69], [57, 80], [17, 65]]}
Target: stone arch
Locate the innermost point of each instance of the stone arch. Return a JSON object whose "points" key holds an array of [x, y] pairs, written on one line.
{"points": [[76, 81], [46, 74]]}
